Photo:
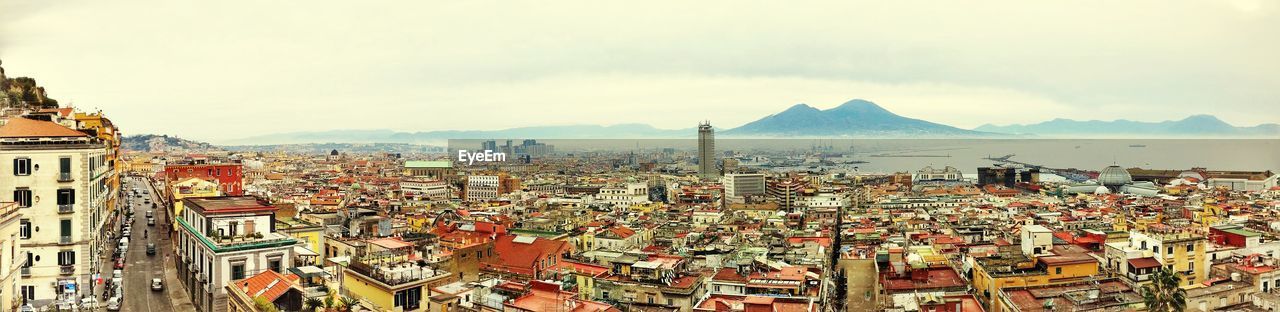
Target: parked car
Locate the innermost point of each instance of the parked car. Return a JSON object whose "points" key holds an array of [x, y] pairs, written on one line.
{"points": [[151, 249], [113, 304], [156, 285], [151, 221], [119, 264]]}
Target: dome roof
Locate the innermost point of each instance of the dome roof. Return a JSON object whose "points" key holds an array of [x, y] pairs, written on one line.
{"points": [[1114, 176], [1102, 190]]}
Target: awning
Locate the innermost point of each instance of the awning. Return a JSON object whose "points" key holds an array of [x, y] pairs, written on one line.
{"points": [[304, 251], [1144, 263]]}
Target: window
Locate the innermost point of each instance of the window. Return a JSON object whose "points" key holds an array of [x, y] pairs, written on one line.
{"points": [[66, 228], [64, 168], [237, 271], [22, 197], [1170, 249], [409, 299], [66, 197], [274, 264], [67, 257], [21, 166], [24, 229], [28, 292], [1057, 271], [1191, 248]]}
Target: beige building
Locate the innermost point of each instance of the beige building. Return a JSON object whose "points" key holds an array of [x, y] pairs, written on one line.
{"points": [[12, 256], [58, 177]]}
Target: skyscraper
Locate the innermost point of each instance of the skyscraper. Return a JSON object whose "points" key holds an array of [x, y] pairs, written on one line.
{"points": [[707, 151]]}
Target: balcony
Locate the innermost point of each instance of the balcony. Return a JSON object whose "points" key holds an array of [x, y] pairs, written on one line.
{"points": [[1139, 277], [65, 240], [65, 177], [67, 270], [66, 208]]}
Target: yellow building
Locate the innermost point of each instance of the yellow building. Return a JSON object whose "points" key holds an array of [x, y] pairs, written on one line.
{"points": [[390, 286], [309, 233], [1183, 252], [1063, 264], [191, 188], [106, 131]]}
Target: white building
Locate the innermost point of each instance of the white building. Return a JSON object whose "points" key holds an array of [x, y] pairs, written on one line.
{"points": [[482, 187], [426, 190], [931, 174], [12, 256], [57, 176], [825, 201], [222, 239], [742, 184], [624, 195]]}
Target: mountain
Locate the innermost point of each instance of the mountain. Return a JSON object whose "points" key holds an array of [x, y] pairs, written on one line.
{"points": [[621, 131], [1193, 126], [856, 118], [162, 143]]}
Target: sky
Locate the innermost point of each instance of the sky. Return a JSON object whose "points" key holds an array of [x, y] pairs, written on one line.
{"points": [[224, 70]]}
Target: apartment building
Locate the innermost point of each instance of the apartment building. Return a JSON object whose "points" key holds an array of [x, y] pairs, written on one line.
{"points": [[58, 177], [228, 238]]}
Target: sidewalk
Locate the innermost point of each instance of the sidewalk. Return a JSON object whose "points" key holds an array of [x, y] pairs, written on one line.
{"points": [[176, 292]]}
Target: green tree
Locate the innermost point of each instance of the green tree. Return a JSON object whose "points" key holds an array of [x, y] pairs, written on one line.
{"points": [[349, 304], [264, 305], [1163, 293], [312, 304]]}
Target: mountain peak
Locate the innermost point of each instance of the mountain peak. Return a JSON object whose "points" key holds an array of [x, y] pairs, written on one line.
{"points": [[800, 107], [853, 118], [860, 105]]}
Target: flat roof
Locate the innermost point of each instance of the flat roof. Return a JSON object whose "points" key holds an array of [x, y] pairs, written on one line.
{"points": [[227, 204], [428, 164]]}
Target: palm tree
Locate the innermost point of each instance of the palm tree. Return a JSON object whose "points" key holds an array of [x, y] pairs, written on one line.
{"points": [[1163, 293], [349, 304], [312, 304]]}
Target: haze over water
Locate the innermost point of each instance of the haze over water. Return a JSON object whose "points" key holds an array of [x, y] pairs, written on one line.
{"points": [[894, 155]]}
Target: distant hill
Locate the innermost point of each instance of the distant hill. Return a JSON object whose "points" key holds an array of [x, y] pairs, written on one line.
{"points": [[1193, 126], [856, 118], [627, 131], [163, 143]]}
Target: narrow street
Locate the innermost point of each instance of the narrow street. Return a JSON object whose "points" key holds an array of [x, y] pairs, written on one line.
{"points": [[141, 268]]}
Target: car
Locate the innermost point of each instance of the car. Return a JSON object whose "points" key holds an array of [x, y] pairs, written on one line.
{"points": [[117, 274], [156, 285], [151, 221], [151, 249], [119, 264], [113, 304], [150, 214]]}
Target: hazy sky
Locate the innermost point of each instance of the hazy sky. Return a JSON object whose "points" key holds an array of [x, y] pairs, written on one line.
{"points": [[219, 70]]}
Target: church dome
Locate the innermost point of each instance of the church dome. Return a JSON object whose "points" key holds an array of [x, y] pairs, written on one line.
{"points": [[1114, 176]]}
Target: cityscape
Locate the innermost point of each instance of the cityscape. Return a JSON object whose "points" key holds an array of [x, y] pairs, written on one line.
{"points": [[674, 180]]}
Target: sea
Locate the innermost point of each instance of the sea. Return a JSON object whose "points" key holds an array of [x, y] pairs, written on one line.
{"points": [[897, 155]]}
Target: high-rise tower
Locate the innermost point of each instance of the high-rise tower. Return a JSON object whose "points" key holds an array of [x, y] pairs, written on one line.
{"points": [[707, 151]]}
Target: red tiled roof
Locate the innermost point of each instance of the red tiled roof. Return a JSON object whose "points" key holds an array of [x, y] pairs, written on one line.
{"points": [[729, 274], [523, 256], [19, 127], [267, 284], [1144, 263]]}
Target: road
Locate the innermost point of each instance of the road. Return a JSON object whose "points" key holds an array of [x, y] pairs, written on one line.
{"points": [[139, 267]]}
